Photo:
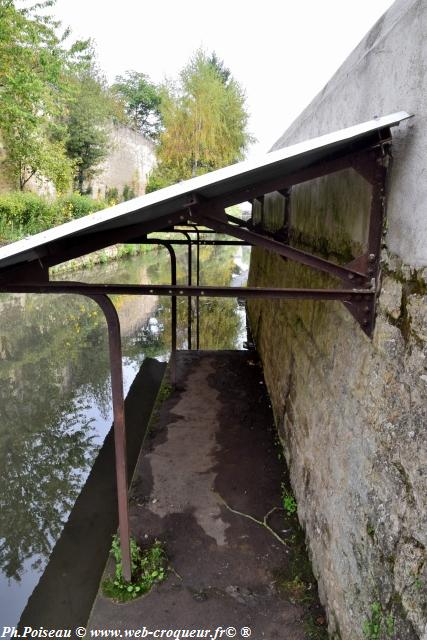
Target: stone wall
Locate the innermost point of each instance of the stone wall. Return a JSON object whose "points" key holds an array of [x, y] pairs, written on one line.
{"points": [[129, 162], [351, 411]]}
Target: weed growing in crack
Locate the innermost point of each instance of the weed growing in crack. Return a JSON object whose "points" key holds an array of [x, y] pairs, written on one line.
{"points": [[378, 625], [148, 567], [288, 501]]}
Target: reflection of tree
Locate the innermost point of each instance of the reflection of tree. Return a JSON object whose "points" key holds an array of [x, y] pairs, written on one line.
{"points": [[219, 321], [39, 482], [45, 439]]}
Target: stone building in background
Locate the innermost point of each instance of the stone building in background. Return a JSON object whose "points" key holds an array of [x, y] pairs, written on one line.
{"points": [[128, 164], [351, 411]]}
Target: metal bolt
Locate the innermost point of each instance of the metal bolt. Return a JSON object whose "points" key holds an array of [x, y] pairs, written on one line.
{"points": [[372, 257], [170, 291], [181, 292], [366, 308], [181, 217], [350, 276], [202, 293], [151, 291]]}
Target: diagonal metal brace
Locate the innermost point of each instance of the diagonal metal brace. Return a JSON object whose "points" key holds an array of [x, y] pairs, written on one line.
{"points": [[346, 274]]}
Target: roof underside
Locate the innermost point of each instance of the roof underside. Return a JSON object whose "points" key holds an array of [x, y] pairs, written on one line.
{"points": [[218, 186]]}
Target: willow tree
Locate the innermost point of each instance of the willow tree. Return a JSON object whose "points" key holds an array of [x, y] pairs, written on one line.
{"points": [[205, 122]]}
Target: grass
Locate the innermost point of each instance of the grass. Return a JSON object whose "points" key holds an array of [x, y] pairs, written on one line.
{"points": [[149, 566]]}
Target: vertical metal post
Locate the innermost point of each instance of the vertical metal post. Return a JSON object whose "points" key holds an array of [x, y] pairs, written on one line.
{"points": [[189, 279], [197, 283], [114, 342], [169, 247]]}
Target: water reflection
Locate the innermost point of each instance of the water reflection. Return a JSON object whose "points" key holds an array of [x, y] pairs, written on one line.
{"points": [[55, 394]]}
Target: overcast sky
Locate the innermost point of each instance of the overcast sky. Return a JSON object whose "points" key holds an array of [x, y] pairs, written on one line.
{"points": [[281, 52]]}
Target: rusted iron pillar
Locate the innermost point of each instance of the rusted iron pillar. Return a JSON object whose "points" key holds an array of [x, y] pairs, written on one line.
{"points": [[196, 229], [189, 280], [169, 247], [115, 347], [197, 283]]}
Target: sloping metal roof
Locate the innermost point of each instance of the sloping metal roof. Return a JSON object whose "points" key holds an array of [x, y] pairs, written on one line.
{"points": [[217, 183]]}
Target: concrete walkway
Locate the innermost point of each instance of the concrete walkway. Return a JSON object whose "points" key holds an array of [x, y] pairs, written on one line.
{"points": [[211, 450]]}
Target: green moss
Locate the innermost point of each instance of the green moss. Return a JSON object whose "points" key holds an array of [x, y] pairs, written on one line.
{"points": [[403, 322], [338, 249], [165, 391], [414, 284], [379, 624]]}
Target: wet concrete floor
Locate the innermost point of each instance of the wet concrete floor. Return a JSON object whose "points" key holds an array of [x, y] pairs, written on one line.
{"points": [[211, 452]]}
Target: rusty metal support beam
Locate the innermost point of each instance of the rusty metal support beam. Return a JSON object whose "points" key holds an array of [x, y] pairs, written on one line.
{"points": [[114, 342], [346, 274], [234, 220], [350, 295], [26, 272], [373, 168], [215, 243], [339, 163]]}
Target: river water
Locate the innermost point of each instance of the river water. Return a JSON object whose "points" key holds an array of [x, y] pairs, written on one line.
{"points": [[55, 408]]}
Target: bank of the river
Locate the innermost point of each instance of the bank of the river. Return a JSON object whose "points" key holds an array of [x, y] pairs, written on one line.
{"points": [[115, 252]]}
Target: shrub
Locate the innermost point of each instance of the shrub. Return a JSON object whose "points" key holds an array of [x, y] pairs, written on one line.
{"points": [[24, 213], [128, 193], [76, 206], [112, 196]]}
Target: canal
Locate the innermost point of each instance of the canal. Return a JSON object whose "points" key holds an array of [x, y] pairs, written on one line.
{"points": [[55, 408]]}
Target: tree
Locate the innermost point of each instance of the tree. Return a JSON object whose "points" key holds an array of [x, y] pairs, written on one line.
{"points": [[218, 64], [141, 99], [89, 113], [32, 95], [204, 119]]}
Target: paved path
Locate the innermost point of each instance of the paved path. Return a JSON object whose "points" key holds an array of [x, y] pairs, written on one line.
{"points": [[212, 445]]}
